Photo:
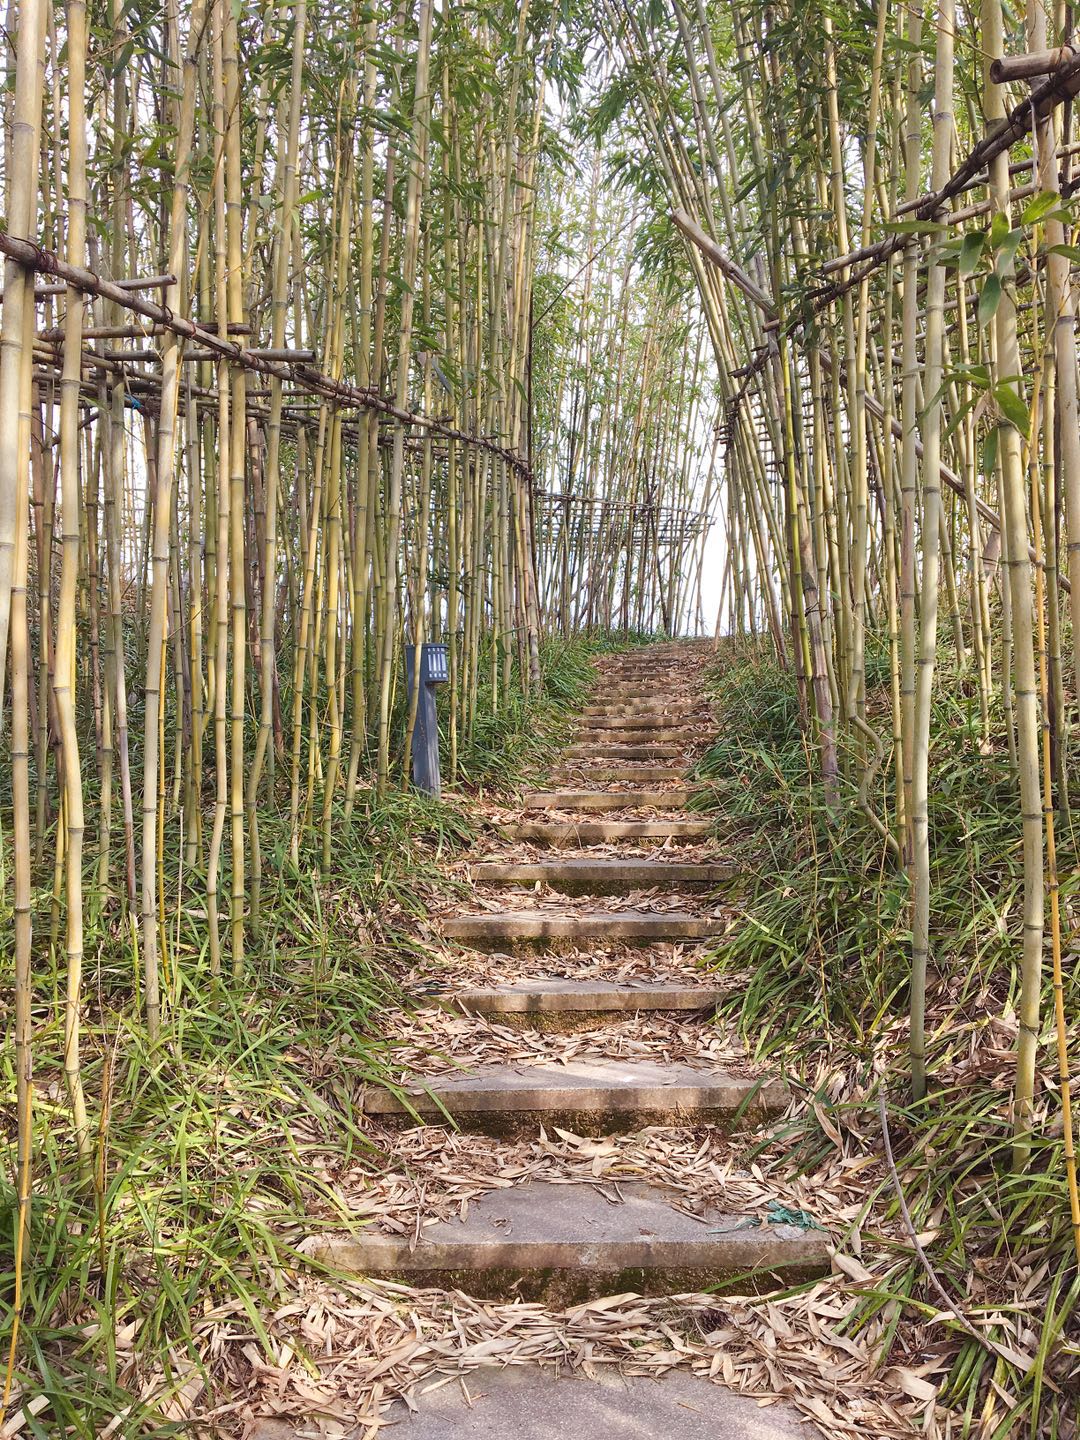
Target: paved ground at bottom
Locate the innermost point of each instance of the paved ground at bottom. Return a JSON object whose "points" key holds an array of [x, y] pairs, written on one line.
{"points": [[526, 1403]]}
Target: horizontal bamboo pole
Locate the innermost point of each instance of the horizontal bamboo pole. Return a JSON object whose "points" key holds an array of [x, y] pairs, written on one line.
{"points": [[1061, 86], [149, 282], [953, 217], [36, 257], [1030, 66], [1018, 167], [873, 404]]}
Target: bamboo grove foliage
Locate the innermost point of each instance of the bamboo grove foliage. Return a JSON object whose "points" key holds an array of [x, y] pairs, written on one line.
{"points": [[624, 394], [882, 242], [267, 372]]}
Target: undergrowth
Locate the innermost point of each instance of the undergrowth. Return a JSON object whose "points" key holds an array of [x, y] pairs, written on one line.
{"points": [[818, 967], [203, 1153]]}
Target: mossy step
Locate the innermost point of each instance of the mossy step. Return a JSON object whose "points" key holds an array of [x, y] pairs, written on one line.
{"points": [[543, 927], [588, 1096], [603, 832], [566, 1244], [602, 876], [605, 799]]}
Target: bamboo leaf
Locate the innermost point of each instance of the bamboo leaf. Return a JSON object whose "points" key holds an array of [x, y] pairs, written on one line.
{"points": [[1039, 207], [1006, 251], [989, 451], [962, 410], [915, 227], [999, 228], [971, 251], [989, 299], [1012, 406]]}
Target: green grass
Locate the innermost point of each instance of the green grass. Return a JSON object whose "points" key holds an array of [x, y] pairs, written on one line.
{"points": [[818, 968], [207, 1144]]}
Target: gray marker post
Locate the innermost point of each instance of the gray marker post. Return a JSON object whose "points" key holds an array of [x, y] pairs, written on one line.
{"points": [[434, 670]]}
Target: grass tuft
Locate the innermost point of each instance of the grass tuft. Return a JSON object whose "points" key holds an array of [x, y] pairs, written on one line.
{"points": [[817, 964], [211, 1149]]}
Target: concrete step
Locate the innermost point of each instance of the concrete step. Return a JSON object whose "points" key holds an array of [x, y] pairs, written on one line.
{"points": [[622, 752], [645, 708], [605, 799], [531, 1403], [645, 773], [627, 719], [499, 929], [558, 1000], [603, 832], [602, 877], [590, 1097], [565, 1244], [651, 735], [620, 698], [645, 675]]}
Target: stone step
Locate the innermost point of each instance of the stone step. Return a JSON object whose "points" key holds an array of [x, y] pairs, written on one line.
{"points": [[547, 928], [598, 877], [611, 773], [603, 832], [638, 694], [588, 1096], [559, 1003], [622, 752], [651, 735], [648, 709], [651, 662], [605, 799], [624, 718], [647, 675], [565, 1244], [651, 687]]}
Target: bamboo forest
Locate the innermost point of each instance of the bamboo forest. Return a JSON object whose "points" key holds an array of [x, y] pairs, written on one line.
{"points": [[539, 735]]}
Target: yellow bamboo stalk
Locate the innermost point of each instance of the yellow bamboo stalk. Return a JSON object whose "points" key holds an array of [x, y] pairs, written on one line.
{"points": [[16, 355], [65, 617], [162, 535], [931, 549]]}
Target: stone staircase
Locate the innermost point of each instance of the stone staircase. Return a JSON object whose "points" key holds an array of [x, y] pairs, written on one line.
{"points": [[566, 1243]]}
